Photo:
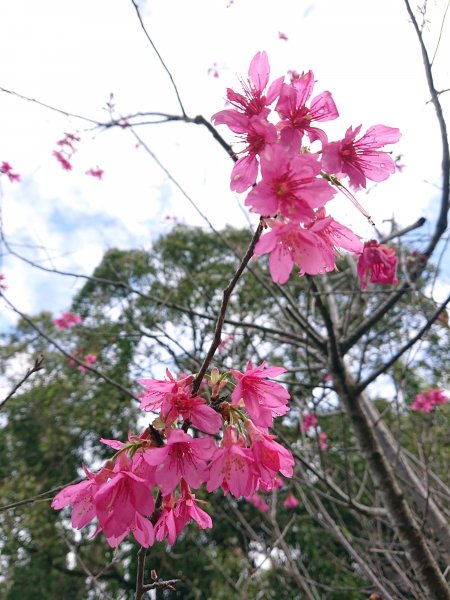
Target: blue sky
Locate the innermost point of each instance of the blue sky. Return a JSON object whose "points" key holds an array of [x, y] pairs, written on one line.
{"points": [[73, 54]]}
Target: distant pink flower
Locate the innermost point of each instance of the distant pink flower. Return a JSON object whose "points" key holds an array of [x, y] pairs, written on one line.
{"points": [[6, 169], [67, 320], [323, 437], [258, 502], [282, 36], [296, 118], [264, 400], [214, 70], [360, 158], [428, 400], [289, 244], [182, 457], [232, 466], [66, 165], [3, 286], [309, 421], [254, 101], [291, 185], [98, 173], [378, 264], [290, 501], [89, 359]]}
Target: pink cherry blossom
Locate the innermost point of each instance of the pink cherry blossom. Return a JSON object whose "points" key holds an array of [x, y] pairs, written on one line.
{"points": [[309, 421], [291, 185], [360, 158], [165, 526], [3, 286], [182, 457], [6, 169], [282, 36], [258, 502], [378, 264], [323, 437], [122, 502], [428, 400], [270, 457], [174, 398], [290, 501], [81, 497], [289, 244], [98, 173], [232, 466], [296, 118], [67, 320], [254, 101], [63, 161], [264, 400], [334, 234], [187, 509], [89, 359]]}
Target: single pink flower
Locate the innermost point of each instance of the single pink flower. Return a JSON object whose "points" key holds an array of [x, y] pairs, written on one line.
{"points": [[323, 437], [258, 502], [291, 185], [378, 264], [187, 509], [182, 457], [254, 101], [3, 286], [89, 360], [282, 36], [81, 497], [296, 118], [232, 466], [6, 169], [289, 244], [428, 400], [165, 526], [174, 398], [63, 161], [309, 421], [264, 400], [98, 173], [290, 501], [360, 158]]}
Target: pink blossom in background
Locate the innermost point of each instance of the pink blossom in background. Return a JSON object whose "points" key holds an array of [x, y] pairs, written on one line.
{"points": [[360, 158], [428, 400], [98, 173], [309, 421], [258, 502], [89, 359], [290, 501], [378, 264], [214, 70], [63, 161], [3, 286], [6, 169], [282, 36], [67, 320], [264, 400], [323, 437]]}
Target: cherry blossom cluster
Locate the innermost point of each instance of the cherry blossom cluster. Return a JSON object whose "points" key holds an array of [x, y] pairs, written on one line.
{"points": [[427, 401], [3, 286], [66, 150], [217, 437], [291, 180]]}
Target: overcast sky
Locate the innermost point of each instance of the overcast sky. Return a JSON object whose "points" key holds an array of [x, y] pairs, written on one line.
{"points": [[72, 54]]}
